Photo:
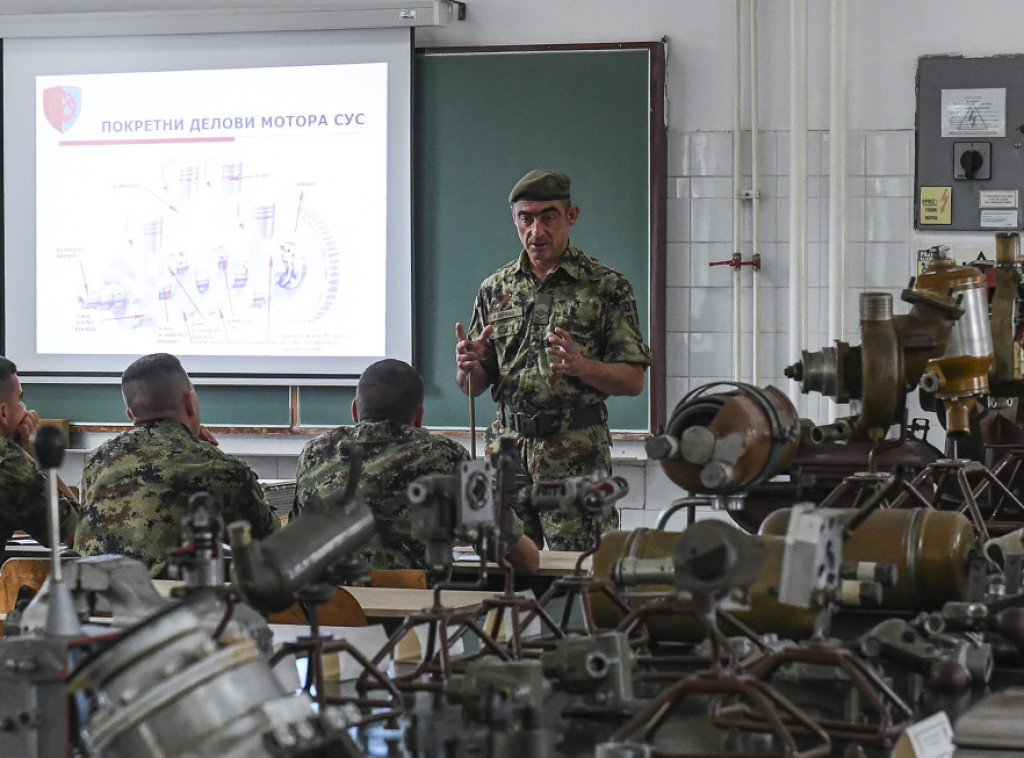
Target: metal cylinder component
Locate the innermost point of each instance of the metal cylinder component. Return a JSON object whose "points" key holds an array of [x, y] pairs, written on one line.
{"points": [[630, 572], [934, 623], [1004, 315], [717, 475], [840, 430], [168, 688], [870, 571], [821, 371], [269, 573], [639, 553], [929, 548], [971, 335], [883, 385], [424, 488], [729, 441], [1007, 247], [697, 444], [857, 594], [930, 382], [875, 306], [961, 372], [662, 446]]}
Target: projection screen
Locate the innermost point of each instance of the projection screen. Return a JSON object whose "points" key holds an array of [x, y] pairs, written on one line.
{"points": [[239, 200]]}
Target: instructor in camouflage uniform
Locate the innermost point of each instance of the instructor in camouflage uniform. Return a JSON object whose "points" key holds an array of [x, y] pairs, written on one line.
{"points": [[388, 411], [136, 486], [23, 498], [554, 333]]}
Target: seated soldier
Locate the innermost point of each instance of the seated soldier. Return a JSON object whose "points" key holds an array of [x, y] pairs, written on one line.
{"points": [[136, 486], [23, 498], [388, 411]]}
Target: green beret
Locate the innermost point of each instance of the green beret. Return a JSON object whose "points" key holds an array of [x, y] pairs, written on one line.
{"points": [[541, 184]]}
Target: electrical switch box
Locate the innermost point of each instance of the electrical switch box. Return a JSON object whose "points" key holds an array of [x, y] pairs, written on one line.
{"points": [[969, 144]]}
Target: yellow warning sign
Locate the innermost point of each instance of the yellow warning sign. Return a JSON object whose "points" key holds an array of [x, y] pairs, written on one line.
{"points": [[936, 205]]}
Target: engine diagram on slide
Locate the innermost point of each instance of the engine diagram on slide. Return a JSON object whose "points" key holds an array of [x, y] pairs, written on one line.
{"points": [[180, 212], [203, 261]]}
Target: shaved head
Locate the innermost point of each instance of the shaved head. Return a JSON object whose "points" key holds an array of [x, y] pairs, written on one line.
{"points": [[153, 387], [389, 390]]}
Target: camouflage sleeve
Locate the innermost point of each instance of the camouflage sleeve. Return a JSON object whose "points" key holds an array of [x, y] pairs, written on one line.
{"points": [[489, 361], [237, 490], [300, 495], [623, 341], [68, 519], [262, 517], [24, 487], [319, 471]]}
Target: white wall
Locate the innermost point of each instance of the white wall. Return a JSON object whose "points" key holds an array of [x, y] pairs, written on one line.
{"points": [[885, 39]]}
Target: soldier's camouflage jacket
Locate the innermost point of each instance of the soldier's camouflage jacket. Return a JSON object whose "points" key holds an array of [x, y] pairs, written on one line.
{"points": [[136, 488], [596, 305], [23, 498], [394, 455]]}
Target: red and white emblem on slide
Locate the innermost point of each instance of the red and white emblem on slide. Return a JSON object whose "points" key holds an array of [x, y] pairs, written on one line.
{"points": [[62, 106]]}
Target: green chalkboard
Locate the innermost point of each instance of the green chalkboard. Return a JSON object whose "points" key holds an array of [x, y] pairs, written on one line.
{"points": [[101, 404], [483, 118]]}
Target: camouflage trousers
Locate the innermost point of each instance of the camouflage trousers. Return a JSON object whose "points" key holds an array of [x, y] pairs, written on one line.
{"points": [[576, 453]]}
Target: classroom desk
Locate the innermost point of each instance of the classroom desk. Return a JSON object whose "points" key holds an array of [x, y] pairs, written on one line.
{"points": [[393, 602], [385, 602], [553, 563], [26, 547]]}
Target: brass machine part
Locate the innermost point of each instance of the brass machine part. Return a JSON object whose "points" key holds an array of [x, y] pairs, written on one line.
{"points": [[1007, 371], [930, 549], [960, 374], [766, 613], [884, 390], [889, 362], [726, 442]]}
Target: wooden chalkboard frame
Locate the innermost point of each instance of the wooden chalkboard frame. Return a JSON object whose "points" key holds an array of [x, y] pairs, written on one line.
{"points": [[301, 410]]}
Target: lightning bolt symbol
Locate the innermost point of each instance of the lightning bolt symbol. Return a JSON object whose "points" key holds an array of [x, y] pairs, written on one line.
{"points": [[944, 201]]}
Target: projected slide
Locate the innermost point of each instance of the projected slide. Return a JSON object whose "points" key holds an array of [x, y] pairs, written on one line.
{"points": [[227, 212]]}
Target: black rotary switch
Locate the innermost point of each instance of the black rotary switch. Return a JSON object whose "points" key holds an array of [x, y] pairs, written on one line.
{"points": [[971, 162]]}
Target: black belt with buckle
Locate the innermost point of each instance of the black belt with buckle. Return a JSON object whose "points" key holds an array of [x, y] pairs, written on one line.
{"points": [[546, 423]]}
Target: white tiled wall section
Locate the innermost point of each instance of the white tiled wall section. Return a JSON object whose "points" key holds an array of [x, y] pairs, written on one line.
{"points": [[880, 251]]}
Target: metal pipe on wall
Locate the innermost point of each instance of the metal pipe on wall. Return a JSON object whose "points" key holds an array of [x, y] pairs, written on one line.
{"points": [[797, 186], [755, 203], [737, 198], [837, 182]]}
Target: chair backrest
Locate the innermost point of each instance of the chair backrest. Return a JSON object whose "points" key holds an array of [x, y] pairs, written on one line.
{"points": [[412, 579], [340, 610], [21, 572]]}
